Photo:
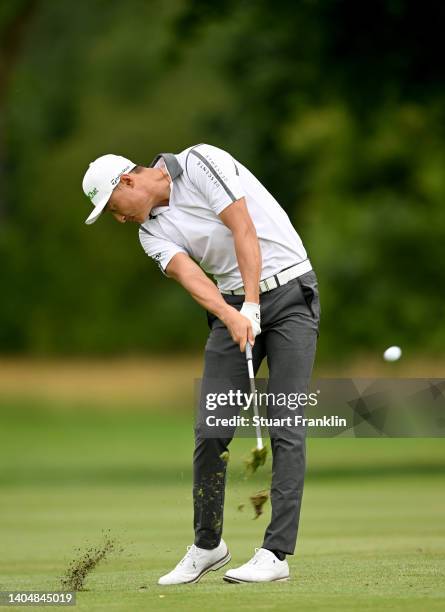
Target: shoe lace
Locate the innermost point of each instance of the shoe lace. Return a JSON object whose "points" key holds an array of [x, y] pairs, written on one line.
{"points": [[259, 557], [190, 556], [256, 557]]}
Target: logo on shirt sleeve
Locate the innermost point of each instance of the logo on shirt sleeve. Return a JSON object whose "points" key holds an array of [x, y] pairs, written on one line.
{"points": [[157, 258]]}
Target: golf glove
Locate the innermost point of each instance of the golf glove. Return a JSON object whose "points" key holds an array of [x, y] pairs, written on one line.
{"points": [[251, 311]]}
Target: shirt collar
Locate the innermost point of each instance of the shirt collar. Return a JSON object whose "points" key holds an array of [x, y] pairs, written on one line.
{"points": [[174, 169], [173, 166]]}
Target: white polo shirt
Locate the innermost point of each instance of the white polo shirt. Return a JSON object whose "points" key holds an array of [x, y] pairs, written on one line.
{"points": [[205, 180]]}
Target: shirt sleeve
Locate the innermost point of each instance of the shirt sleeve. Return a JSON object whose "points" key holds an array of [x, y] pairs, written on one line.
{"points": [[160, 250], [215, 174]]}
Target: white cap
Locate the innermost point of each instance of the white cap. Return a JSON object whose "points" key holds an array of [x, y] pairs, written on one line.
{"points": [[101, 178]]}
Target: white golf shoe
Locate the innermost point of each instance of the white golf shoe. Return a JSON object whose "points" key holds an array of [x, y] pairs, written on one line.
{"points": [[196, 563], [263, 567]]}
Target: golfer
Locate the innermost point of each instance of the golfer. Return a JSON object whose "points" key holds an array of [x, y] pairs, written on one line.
{"points": [[202, 211]]}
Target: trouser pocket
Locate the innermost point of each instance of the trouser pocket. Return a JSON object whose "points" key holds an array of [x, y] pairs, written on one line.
{"points": [[309, 289]]}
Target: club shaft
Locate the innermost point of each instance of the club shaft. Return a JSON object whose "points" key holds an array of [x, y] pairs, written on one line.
{"points": [[259, 437]]}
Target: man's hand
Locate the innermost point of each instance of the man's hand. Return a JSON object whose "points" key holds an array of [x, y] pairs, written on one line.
{"points": [[251, 310], [239, 326]]}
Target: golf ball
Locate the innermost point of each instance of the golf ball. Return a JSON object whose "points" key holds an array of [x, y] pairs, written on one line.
{"points": [[393, 353]]}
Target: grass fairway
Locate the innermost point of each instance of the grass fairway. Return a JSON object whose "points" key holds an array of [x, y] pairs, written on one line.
{"points": [[372, 533]]}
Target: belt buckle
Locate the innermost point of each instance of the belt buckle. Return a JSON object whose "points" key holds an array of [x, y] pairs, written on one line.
{"points": [[266, 285]]}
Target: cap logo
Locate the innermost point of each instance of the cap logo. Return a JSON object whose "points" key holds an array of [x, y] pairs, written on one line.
{"points": [[92, 193], [116, 179]]}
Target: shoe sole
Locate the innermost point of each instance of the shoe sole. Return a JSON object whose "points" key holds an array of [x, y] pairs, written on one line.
{"points": [[238, 581], [211, 568]]}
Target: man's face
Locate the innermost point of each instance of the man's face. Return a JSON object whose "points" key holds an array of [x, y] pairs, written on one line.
{"points": [[129, 200]]}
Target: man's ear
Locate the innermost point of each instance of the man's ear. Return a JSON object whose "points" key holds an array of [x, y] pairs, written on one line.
{"points": [[127, 179]]}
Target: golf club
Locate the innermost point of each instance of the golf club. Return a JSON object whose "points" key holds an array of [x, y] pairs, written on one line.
{"points": [[260, 452], [259, 438]]}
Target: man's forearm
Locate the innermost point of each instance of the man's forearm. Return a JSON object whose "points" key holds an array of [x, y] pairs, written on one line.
{"points": [[184, 270], [248, 253], [205, 293]]}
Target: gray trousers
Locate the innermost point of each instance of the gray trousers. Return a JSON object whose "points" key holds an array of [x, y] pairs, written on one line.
{"points": [[289, 321]]}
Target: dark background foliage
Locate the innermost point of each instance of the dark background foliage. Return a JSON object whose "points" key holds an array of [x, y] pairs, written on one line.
{"points": [[337, 106]]}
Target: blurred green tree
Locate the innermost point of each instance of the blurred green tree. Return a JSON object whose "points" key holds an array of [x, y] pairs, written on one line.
{"points": [[336, 106]]}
